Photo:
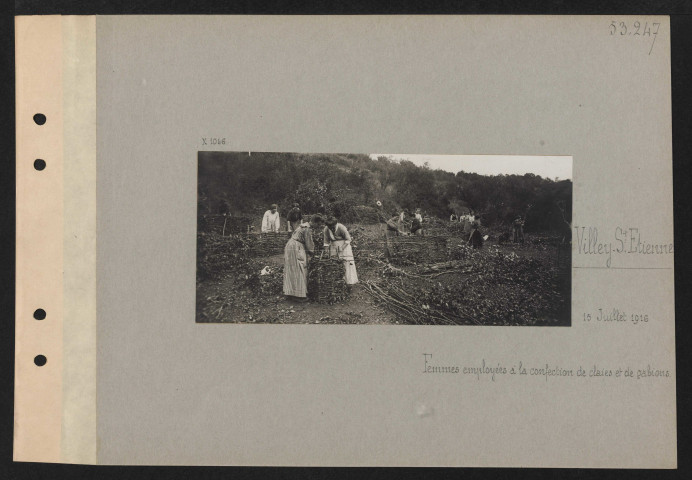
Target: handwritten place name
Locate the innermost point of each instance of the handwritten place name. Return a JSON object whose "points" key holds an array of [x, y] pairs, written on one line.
{"points": [[626, 241], [616, 315], [635, 30], [493, 371]]}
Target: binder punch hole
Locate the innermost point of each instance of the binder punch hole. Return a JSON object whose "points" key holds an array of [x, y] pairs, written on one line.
{"points": [[40, 119], [40, 360], [39, 164], [39, 314]]}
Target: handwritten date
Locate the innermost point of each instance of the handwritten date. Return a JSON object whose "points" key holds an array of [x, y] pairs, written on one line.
{"points": [[616, 315]]}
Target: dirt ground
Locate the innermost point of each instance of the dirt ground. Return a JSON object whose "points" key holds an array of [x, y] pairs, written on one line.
{"points": [[244, 306], [223, 300]]}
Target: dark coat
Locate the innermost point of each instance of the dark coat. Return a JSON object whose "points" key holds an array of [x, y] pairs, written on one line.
{"points": [[476, 239]]}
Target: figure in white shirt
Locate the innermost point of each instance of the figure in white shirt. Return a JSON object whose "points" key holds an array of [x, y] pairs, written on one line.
{"points": [[271, 221]]}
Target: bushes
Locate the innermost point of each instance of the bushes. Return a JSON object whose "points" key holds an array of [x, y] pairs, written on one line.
{"points": [[342, 209], [223, 224], [365, 215], [335, 183]]}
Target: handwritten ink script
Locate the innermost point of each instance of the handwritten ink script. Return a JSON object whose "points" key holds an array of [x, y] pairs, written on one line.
{"points": [[635, 30], [626, 241], [213, 141], [494, 371]]}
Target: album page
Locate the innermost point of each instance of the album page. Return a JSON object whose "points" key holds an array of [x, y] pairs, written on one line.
{"points": [[345, 241]]}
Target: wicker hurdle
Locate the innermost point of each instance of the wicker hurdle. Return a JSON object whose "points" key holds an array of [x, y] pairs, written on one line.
{"points": [[268, 243]]}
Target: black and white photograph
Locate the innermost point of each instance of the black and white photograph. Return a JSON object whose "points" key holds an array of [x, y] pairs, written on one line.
{"points": [[392, 239]]}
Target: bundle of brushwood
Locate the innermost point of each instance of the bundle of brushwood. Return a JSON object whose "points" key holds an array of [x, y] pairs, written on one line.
{"points": [[326, 283], [417, 249], [409, 308]]}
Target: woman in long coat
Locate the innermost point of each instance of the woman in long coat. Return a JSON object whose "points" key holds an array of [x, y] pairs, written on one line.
{"points": [[338, 241], [297, 254]]}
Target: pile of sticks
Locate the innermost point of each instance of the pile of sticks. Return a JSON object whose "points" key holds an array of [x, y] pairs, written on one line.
{"points": [[444, 268], [419, 249], [326, 283], [409, 308]]}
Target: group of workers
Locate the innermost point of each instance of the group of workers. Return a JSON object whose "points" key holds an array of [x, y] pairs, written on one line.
{"points": [[301, 248], [403, 223], [468, 220], [472, 224], [337, 241]]}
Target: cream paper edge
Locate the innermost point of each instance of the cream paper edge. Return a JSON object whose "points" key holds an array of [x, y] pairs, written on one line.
{"points": [[79, 240]]}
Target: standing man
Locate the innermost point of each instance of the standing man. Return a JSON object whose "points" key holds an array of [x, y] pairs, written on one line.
{"points": [[417, 223], [271, 222], [518, 230], [476, 239], [294, 218], [389, 226]]}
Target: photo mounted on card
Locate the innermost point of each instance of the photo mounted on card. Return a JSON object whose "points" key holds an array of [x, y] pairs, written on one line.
{"points": [[383, 239], [345, 241]]}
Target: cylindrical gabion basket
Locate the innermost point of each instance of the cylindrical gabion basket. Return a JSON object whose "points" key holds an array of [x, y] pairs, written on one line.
{"points": [[326, 283]]}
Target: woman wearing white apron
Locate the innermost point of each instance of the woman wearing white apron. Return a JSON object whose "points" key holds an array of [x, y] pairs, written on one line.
{"points": [[338, 241]]}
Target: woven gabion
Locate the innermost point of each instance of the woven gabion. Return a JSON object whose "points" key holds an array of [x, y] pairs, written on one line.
{"points": [[326, 283]]}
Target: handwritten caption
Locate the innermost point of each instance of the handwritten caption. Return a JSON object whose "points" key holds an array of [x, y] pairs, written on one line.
{"points": [[625, 240], [635, 30], [546, 371]]}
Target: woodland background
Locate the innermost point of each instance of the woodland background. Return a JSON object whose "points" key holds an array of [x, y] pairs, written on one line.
{"points": [[242, 183]]}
